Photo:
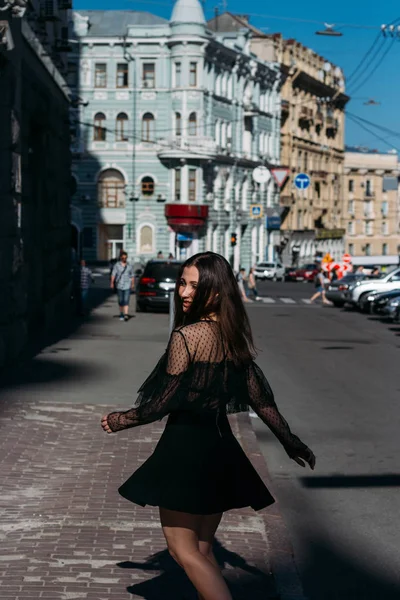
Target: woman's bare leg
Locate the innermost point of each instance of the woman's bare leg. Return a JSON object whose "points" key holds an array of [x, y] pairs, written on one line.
{"points": [[181, 532], [208, 528]]}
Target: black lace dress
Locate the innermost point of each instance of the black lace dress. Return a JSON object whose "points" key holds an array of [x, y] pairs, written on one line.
{"points": [[198, 466]]}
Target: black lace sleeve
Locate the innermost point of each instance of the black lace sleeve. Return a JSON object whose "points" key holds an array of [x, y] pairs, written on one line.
{"points": [[162, 391], [261, 399]]}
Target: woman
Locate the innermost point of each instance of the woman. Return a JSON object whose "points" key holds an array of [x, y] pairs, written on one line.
{"points": [[252, 285], [242, 282], [320, 285], [198, 470]]}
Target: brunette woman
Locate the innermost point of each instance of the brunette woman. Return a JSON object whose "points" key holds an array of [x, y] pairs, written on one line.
{"points": [[198, 470]]}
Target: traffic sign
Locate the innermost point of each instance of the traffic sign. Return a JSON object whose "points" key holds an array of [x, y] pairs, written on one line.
{"points": [[346, 258], [280, 175], [261, 175], [302, 181], [256, 211], [273, 223]]}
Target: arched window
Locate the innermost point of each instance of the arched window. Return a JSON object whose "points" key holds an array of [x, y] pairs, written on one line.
{"points": [[147, 186], [193, 124], [111, 189], [99, 131], [178, 124], [121, 128], [148, 127], [146, 242]]}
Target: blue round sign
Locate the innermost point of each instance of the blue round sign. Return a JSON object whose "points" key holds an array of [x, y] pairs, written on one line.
{"points": [[302, 181]]}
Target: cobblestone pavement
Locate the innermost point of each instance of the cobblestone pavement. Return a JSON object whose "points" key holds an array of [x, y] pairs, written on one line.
{"points": [[64, 531]]}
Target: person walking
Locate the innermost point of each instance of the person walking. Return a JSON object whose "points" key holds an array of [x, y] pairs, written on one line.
{"points": [[198, 469], [241, 281], [320, 285], [86, 278], [123, 280], [252, 284]]}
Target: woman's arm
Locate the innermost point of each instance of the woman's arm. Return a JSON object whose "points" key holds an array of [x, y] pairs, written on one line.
{"points": [[161, 392]]}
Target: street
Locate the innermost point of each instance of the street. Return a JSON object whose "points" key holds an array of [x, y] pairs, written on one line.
{"points": [[66, 534], [336, 379]]}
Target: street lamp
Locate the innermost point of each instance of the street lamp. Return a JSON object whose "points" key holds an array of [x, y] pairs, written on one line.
{"points": [[329, 31]]}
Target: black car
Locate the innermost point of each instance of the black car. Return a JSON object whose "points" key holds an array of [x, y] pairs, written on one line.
{"points": [[156, 284], [379, 304]]}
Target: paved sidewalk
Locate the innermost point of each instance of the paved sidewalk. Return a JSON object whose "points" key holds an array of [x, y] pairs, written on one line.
{"points": [[64, 531]]}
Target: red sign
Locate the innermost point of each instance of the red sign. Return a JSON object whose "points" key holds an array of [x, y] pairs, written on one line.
{"points": [[280, 174], [346, 258]]}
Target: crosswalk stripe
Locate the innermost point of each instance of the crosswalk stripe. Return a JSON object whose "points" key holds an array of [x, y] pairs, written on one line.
{"points": [[288, 300], [306, 300], [268, 300]]}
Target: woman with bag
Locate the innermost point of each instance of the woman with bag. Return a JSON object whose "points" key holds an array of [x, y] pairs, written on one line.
{"points": [[252, 284], [198, 470]]}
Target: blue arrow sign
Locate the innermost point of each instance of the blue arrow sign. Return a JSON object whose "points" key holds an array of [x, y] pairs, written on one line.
{"points": [[302, 181]]}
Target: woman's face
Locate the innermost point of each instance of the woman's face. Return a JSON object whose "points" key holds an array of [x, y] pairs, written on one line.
{"points": [[187, 286]]}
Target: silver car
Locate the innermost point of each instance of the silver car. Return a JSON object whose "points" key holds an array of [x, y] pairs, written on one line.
{"points": [[336, 291], [270, 270]]}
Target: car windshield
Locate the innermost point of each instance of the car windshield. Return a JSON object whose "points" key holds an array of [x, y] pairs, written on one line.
{"points": [[265, 266], [308, 267], [162, 270]]}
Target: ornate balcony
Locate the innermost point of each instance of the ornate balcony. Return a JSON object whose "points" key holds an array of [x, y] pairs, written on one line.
{"points": [[186, 217], [192, 147]]}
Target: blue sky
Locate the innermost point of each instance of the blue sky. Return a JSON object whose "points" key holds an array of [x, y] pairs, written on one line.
{"points": [[347, 51]]}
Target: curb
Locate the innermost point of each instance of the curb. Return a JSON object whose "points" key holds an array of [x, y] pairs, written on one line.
{"points": [[281, 554]]}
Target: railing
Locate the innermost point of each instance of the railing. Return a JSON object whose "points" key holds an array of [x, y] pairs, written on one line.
{"points": [[332, 123], [306, 114]]}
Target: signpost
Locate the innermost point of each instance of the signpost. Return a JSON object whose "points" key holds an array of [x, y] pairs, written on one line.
{"points": [[261, 175], [302, 181], [256, 211], [280, 175]]}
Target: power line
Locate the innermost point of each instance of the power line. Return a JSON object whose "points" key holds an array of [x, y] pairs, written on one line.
{"points": [[375, 67], [380, 127], [378, 137]]}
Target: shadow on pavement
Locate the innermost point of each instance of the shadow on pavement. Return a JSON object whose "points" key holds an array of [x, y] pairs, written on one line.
{"points": [[352, 481], [248, 583]]}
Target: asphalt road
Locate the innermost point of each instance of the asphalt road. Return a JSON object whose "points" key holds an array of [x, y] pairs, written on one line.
{"points": [[336, 378]]}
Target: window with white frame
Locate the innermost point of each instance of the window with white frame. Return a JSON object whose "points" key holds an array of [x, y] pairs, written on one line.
{"points": [[384, 249], [121, 128], [122, 75], [351, 207], [177, 82], [385, 208], [99, 130], [368, 187], [192, 185], [367, 249], [192, 124], [385, 228], [149, 75], [177, 184], [100, 75], [368, 227], [350, 227], [351, 249], [148, 126], [193, 74]]}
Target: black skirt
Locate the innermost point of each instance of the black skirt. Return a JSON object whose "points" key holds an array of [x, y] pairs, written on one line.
{"points": [[197, 467]]}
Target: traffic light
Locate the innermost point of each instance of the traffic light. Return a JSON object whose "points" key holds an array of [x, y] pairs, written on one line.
{"points": [[233, 239]]}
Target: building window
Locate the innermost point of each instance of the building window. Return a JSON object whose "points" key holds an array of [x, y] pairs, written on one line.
{"points": [[385, 208], [385, 228], [368, 187], [317, 189], [384, 249], [351, 185], [100, 75], [147, 127], [351, 207], [121, 128], [350, 227], [147, 186], [351, 249], [177, 74], [177, 185], [193, 74], [122, 75], [178, 124], [193, 124], [192, 185], [99, 131], [111, 189], [367, 208], [368, 227], [146, 240], [367, 249], [149, 75]]}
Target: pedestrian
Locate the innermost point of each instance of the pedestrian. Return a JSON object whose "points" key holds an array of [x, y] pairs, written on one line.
{"points": [[123, 280], [170, 256], [160, 255], [320, 285], [252, 284], [198, 469], [86, 278], [241, 281], [376, 272], [360, 270]]}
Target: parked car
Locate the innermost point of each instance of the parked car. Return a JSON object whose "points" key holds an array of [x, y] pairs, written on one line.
{"points": [[357, 292], [290, 274], [386, 303], [306, 273], [156, 283], [336, 291], [270, 270]]}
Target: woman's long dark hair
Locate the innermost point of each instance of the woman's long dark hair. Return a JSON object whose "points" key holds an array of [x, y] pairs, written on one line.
{"points": [[217, 293]]}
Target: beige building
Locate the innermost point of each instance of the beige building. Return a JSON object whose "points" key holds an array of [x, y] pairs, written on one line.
{"points": [[372, 204], [312, 140]]}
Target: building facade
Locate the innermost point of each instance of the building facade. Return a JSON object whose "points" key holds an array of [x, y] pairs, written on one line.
{"points": [[372, 204], [35, 163], [173, 119], [312, 141]]}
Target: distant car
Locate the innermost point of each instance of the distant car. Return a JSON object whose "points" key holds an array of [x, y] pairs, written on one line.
{"points": [[306, 273], [386, 303], [156, 284], [270, 270], [290, 274], [336, 291], [357, 293]]}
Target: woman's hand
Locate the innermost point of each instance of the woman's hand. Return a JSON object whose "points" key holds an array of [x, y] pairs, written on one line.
{"points": [[105, 425], [306, 455]]}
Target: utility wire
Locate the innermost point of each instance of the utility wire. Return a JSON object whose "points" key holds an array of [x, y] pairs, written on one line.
{"points": [[378, 137], [360, 85], [380, 127]]}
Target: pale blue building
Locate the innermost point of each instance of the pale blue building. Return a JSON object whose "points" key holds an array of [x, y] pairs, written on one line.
{"points": [[171, 119]]}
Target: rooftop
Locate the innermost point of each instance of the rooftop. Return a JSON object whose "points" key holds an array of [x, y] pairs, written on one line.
{"points": [[111, 23]]}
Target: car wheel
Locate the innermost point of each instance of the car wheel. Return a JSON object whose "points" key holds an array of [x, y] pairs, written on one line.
{"points": [[362, 305], [338, 304]]}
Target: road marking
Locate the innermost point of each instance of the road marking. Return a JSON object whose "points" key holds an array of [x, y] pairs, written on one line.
{"points": [[268, 300], [288, 300], [306, 300]]}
